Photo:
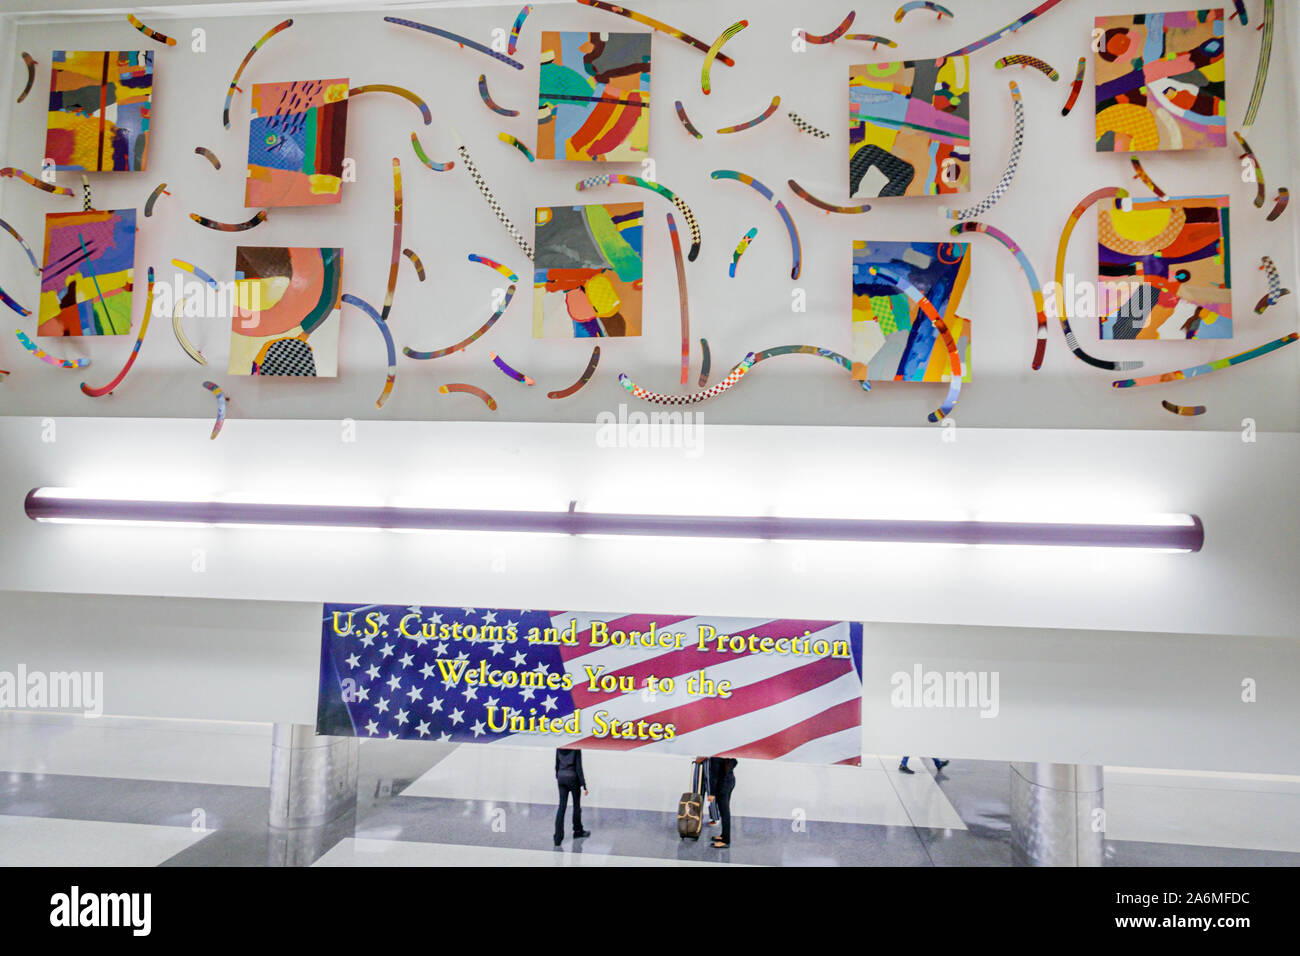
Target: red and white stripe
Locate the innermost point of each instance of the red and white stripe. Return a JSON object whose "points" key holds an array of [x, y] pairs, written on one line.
{"points": [[787, 707]]}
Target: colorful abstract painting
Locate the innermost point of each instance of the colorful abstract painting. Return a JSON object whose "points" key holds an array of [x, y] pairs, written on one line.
{"points": [[99, 113], [87, 281], [893, 338], [287, 311], [909, 128], [587, 275], [1160, 81], [1164, 269], [296, 141], [593, 99]]}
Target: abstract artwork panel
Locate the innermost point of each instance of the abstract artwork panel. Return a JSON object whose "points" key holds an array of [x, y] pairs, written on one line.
{"points": [[296, 141], [1164, 269], [518, 678], [587, 278], [909, 128], [893, 338], [87, 281], [593, 100], [1160, 81], [287, 313], [98, 120]]}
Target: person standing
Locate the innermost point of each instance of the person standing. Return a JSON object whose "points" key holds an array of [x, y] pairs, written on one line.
{"points": [[702, 764], [569, 777], [722, 780]]}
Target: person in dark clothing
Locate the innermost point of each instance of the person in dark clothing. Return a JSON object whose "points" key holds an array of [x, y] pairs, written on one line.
{"points": [[714, 817], [569, 777], [722, 780]]}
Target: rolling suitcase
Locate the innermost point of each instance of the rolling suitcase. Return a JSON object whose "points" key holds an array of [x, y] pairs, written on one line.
{"points": [[690, 809]]}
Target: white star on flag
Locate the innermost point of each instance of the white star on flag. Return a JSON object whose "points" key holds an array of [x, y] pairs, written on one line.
{"points": [[383, 670]]}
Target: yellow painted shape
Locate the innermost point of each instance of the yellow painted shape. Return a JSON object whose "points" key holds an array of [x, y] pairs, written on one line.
{"points": [[1133, 120], [322, 184], [602, 295], [1140, 225]]}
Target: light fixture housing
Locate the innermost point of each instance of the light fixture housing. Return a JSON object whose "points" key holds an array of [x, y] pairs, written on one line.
{"points": [[1171, 533]]}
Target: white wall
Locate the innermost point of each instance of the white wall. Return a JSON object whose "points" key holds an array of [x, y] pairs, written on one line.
{"points": [[445, 218], [1095, 697], [1115, 658], [1118, 698], [1242, 582], [1119, 658], [169, 657]]}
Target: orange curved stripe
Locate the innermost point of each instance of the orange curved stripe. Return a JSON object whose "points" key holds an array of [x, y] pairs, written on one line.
{"points": [[625, 121], [306, 283], [601, 114]]}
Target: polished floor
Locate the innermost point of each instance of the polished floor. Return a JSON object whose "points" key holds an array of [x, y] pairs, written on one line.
{"points": [[116, 791]]}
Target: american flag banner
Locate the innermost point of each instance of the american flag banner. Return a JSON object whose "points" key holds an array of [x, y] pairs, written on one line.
{"points": [[753, 688]]}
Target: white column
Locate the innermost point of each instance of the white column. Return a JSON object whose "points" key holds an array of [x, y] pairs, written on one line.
{"points": [[1057, 814], [313, 778]]}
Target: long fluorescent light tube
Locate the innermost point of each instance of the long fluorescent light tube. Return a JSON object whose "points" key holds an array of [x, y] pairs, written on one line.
{"points": [[1173, 533]]}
